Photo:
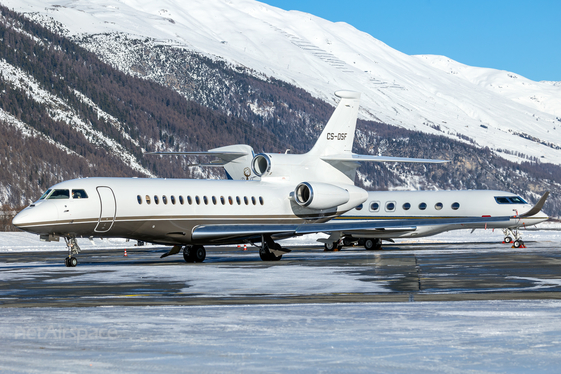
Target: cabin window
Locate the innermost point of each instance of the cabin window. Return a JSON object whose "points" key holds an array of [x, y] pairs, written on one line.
{"points": [[456, 206], [181, 201], [261, 201], [374, 206], [214, 200], [156, 199], [406, 206], [164, 199], [422, 206], [79, 194], [245, 200], [205, 199], [148, 200], [390, 206], [222, 200], [59, 194], [230, 200], [189, 200], [253, 200], [197, 200], [438, 206], [139, 199], [44, 196], [238, 200], [172, 198], [359, 207]]}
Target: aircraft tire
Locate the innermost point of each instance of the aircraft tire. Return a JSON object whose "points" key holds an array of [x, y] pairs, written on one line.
{"points": [[330, 247], [268, 256], [198, 253], [71, 262], [188, 253], [508, 239], [517, 244], [372, 244]]}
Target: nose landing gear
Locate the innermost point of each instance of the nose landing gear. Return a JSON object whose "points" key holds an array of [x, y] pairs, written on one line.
{"points": [[73, 249], [514, 237]]}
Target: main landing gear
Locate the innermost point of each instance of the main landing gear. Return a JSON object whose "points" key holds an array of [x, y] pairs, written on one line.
{"points": [[73, 249], [271, 251], [513, 237], [369, 244], [194, 253]]}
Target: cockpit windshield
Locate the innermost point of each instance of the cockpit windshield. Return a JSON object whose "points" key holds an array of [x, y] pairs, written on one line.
{"points": [[64, 194], [59, 194], [44, 196], [510, 200]]}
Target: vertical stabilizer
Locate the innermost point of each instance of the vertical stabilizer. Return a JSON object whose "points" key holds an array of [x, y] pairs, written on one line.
{"points": [[338, 135]]}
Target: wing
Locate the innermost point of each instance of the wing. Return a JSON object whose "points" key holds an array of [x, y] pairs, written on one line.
{"points": [[369, 158], [224, 155], [231, 233]]}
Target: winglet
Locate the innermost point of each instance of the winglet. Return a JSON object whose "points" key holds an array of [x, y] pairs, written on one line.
{"points": [[538, 207]]}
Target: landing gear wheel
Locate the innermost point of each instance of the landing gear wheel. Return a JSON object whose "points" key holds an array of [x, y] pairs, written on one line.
{"points": [[372, 244], [332, 246], [347, 242], [518, 244], [199, 253], [508, 239], [266, 255], [195, 253], [71, 262]]}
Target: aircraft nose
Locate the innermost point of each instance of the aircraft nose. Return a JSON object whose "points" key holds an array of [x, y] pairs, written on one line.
{"points": [[35, 216], [22, 218]]}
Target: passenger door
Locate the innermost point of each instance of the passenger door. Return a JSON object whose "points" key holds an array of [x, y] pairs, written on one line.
{"points": [[108, 209]]}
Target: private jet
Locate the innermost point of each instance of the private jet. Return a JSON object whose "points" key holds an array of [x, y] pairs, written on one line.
{"points": [[190, 214]]}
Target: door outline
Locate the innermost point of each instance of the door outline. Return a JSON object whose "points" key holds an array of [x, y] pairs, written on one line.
{"points": [[107, 210]]}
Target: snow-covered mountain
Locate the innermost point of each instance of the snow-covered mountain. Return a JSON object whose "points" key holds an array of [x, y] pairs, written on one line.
{"points": [[512, 115]]}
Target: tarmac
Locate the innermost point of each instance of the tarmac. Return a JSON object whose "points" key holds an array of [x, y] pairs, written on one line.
{"points": [[397, 273]]}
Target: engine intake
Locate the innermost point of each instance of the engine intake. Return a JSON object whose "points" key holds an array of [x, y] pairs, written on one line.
{"points": [[320, 195], [261, 164]]}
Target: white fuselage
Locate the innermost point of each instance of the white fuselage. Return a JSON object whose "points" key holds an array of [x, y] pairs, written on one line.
{"points": [[166, 210], [406, 205]]}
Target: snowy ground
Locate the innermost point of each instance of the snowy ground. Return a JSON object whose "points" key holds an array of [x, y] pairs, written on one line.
{"points": [[455, 337], [419, 337]]}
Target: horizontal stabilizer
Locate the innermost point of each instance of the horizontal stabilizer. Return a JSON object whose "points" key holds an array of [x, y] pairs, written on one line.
{"points": [[537, 208], [370, 158]]}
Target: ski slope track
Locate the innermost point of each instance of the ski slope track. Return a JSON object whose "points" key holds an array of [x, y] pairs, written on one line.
{"points": [[514, 116]]}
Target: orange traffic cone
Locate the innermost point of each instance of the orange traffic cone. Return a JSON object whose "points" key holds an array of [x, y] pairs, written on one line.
{"points": [[125, 252]]}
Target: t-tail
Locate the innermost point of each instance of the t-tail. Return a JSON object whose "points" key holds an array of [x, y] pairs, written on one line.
{"points": [[330, 159]]}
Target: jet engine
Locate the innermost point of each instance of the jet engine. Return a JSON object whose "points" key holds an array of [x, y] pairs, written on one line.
{"points": [[261, 164], [320, 195]]}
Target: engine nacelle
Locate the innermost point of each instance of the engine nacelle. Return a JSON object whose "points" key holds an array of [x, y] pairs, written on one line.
{"points": [[261, 164], [320, 195]]}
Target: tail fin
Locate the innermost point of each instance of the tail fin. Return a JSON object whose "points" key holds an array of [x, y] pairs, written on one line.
{"points": [[338, 135]]}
